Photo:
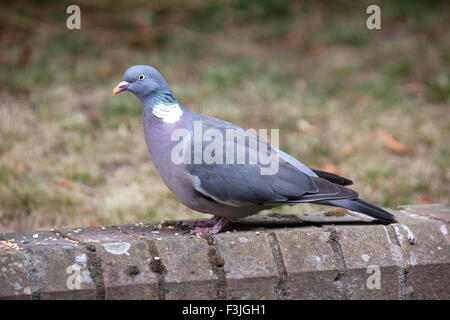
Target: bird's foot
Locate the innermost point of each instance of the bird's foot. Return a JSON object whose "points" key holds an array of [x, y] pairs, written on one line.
{"points": [[202, 223], [218, 225]]}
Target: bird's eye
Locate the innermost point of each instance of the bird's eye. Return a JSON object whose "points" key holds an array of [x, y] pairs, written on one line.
{"points": [[141, 77]]}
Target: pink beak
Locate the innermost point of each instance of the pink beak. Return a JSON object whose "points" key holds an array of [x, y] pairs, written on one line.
{"points": [[121, 87]]}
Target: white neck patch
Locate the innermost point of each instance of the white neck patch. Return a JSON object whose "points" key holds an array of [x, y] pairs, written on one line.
{"points": [[169, 113]]}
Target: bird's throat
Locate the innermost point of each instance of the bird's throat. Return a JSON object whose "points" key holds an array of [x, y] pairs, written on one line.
{"points": [[165, 107]]}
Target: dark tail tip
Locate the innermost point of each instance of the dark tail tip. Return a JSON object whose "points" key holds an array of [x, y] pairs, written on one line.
{"points": [[364, 207], [385, 222]]}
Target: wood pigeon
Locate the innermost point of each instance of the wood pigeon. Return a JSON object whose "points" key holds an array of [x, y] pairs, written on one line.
{"points": [[232, 189]]}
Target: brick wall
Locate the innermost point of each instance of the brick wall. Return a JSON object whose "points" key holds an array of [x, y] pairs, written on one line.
{"points": [[330, 255]]}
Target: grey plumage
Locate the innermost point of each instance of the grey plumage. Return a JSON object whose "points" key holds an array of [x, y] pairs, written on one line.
{"points": [[230, 191]]}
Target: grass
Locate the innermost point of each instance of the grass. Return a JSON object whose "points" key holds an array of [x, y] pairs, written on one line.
{"points": [[71, 154]]}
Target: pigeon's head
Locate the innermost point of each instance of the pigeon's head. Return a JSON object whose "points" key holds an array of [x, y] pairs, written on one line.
{"points": [[143, 81]]}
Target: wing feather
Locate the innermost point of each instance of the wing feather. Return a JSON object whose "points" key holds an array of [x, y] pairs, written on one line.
{"points": [[243, 184]]}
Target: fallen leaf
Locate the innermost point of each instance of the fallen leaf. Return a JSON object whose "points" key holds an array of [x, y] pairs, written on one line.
{"points": [[391, 143], [425, 199], [388, 141], [66, 184], [95, 223], [20, 167]]}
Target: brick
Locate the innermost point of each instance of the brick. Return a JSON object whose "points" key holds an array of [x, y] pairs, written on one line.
{"points": [[367, 249], [189, 274], [152, 231], [436, 211], [250, 269], [14, 282], [426, 255], [294, 260], [187, 271], [406, 217], [125, 261], [310, 263], [58, 267]]}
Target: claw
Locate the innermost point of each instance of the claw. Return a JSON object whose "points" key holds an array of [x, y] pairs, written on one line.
{"points": [[201, 223], [220, 222]]}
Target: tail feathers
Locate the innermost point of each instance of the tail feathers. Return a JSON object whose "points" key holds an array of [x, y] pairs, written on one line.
{"points": [[364, 207]]}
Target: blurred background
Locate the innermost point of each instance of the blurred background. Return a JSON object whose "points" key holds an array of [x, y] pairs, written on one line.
{"points": [[371, 105]]}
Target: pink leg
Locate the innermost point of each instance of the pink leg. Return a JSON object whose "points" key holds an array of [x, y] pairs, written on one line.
{"points": [[207, 223], [221, 222]]}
